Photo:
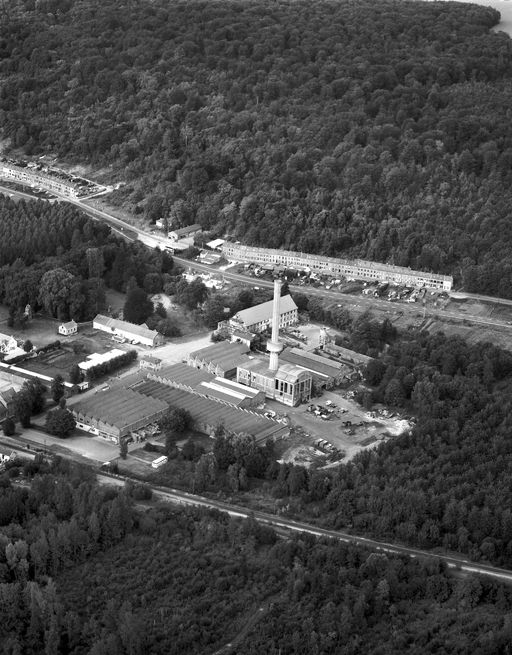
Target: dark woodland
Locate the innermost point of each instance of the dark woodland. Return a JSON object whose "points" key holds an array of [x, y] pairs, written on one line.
{"points": [[358, 129], [186, 581]]}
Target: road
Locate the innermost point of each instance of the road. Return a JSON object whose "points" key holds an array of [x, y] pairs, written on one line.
{"points": [[364, 302], [288, 525], [132, 233]]}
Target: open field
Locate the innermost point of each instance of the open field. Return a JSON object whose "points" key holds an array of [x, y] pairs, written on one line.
{"points": [[39, 330]]}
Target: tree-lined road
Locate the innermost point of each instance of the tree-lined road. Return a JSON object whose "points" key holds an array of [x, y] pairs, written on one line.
{"points": [[132, 233]]}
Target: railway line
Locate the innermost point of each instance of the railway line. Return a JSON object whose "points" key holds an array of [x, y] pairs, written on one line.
{"points": [[290, 526]]}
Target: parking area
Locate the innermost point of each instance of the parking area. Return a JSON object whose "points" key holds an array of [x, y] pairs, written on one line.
{"points": [[346, 426], [93, 448]]}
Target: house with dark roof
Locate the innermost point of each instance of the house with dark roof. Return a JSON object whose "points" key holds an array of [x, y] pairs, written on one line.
{"points": [[184, 232]]}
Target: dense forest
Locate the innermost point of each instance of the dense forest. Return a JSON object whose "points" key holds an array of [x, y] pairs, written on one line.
{"points": [[443, 484], [184, 581], [374, 130], [55, 259]]}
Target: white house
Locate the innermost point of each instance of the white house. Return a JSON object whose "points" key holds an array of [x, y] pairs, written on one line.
{"points": [[66, 329]]}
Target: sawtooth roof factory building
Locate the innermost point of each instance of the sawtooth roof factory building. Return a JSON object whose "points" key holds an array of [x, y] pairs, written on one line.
{"points": [[358, 269], [208, 414], [205, 384], [219, 359], [114, 413]]}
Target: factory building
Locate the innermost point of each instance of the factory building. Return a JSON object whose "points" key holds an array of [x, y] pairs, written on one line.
{"points": [[285, 383], [208, 414], [358, 269], [326, 372], [115, 413], [259, 317], [203, 383], [345, 355], [289, 385], [219, 359]]}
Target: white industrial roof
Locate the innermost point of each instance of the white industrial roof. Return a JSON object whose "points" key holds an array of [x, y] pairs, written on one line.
{"points": [[216, 243], [263, 312]]}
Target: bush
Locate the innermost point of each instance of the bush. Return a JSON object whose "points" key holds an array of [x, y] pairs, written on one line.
{"points": [[8, 427], [141, 492], [112, 365], [60, 422]]}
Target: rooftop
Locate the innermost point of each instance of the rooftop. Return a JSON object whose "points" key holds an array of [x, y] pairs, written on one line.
{"points": [[151, 359], [119, 407], [216, 243], [130, 328], [202, 382], [99, 358], [211, 412], [188, 376], [224, 354], [263, 312], [286, 371], [314, 363], [186, 230], [361, 263]]}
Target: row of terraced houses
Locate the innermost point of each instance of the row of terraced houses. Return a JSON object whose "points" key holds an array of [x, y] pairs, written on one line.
{"points": [[357, 269]]}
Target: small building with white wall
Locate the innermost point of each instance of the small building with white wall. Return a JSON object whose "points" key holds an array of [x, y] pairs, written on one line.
{"points": [[67, 329], [128, 331]]}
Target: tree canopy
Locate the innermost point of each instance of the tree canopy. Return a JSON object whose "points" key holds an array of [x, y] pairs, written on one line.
{"points": [[370, 131]]}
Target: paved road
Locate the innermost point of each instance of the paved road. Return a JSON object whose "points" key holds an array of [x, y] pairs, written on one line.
{"points": [[133, 233], [410, 309], [282, 524]]}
